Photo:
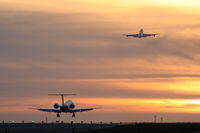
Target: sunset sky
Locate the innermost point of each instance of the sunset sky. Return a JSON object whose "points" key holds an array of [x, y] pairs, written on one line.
{"points": [[75, 46]]}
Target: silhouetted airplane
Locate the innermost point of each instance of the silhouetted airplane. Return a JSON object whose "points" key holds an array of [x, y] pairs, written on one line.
{"points": [[66, 107], [140, 35]]}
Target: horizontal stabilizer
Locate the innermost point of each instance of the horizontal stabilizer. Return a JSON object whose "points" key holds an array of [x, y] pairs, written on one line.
{"points": [[61, 94]]}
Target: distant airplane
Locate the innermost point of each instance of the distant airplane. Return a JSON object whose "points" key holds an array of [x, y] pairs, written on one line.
{"points": [[140, 35], [66, 107]]}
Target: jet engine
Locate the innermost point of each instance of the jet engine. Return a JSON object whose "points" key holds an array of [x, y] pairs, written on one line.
{"points": [[69, 105], [56, 105]]}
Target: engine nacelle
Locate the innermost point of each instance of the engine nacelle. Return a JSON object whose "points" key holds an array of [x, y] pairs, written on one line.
{"points": [[69, 104], [56, 105]]}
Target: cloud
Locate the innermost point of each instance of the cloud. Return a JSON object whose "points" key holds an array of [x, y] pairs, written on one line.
{"points": [[184, 106], [38, 44], [36, 35], [94, 88]]}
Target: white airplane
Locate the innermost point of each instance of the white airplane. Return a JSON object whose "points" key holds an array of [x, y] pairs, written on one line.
{"points": [[66, 107], [141, 34]]}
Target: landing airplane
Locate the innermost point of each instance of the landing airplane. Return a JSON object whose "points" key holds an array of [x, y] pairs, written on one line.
{"points": [[66, 107], [140, 35]]}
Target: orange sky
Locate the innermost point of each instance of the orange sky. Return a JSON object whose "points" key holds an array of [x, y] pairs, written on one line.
{"points": [[76, 46]]}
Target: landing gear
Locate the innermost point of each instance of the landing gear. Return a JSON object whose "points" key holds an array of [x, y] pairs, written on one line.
{"points": [[58, 115], [73, 115]]}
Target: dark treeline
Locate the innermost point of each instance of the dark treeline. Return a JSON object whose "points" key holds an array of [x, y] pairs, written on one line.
{"points": [[153, 128]]}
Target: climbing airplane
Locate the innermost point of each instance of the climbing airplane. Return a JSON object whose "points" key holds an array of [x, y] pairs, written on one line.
{"points": [[140, 35], [65, 107]]}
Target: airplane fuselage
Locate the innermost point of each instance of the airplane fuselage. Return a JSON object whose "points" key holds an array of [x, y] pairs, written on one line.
{"points": [[65, 107], [141, 33]]}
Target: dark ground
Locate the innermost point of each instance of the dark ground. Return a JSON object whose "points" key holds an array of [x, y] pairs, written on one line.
{"points": [[100, 128], [50, 127], [153, 128]]}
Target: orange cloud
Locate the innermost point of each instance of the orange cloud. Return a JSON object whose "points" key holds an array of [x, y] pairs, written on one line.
{"points": [[111, 105]]}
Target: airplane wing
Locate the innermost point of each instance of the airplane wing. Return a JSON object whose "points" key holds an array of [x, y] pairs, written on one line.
{"points": [[146, 35], [80, 110], [49, 110], [130, 35]]}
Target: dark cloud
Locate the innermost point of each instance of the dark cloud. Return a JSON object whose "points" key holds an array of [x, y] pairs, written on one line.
{"points": [[86, 89], [21, 105], [33, 38], [35, 35]]}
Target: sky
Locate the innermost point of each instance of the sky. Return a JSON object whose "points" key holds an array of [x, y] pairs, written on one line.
{"points": [[67, 46]]}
